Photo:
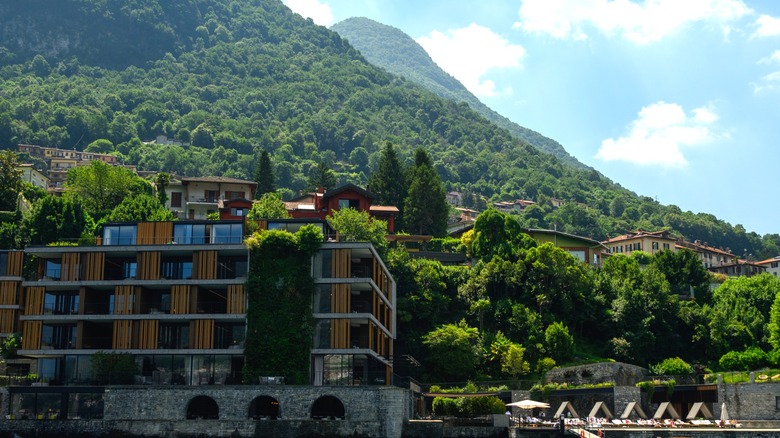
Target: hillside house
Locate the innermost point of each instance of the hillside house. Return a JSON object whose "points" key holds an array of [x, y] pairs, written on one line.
{"points": [[772, 265], [584, 249], [197, 197], [710, 257], [740, 268], [641, 240], [321, 203], [33, 176]]}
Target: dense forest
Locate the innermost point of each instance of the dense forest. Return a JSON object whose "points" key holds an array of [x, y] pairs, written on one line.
{"points": [[230, 79]]}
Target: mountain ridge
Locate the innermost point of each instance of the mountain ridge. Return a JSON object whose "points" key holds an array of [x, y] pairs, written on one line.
{"points": [[405, 57]]}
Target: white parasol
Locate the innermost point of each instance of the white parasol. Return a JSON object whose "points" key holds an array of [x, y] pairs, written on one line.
{"points": [[529, 404]]}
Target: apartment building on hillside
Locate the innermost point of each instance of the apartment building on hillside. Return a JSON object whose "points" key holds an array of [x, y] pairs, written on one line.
{"points": [[173, 295], [710, 257]]}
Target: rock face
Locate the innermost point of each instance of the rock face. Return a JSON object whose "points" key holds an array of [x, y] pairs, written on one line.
{"points": [[622, 374]]}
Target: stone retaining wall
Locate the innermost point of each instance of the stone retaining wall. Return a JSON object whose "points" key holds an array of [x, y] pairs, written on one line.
{"points": [[750, 401], [622, 374]]}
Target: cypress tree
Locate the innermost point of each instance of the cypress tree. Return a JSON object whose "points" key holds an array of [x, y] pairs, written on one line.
{"points": [[426, 208], [264, 175], [389, 181]]}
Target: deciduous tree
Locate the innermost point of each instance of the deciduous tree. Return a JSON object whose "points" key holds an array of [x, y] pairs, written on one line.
{"points": [[10, 180]]}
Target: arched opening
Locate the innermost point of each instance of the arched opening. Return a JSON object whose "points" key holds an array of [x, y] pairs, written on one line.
{"points": [[202, 407], [264, 408], [327, 407]]}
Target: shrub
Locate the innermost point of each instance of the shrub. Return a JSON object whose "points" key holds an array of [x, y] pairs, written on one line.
{"points": [[730, 361], [751, 359], [673, 366]]}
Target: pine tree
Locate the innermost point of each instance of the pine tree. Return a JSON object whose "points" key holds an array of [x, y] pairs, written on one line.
{"points": [[389, 182], [264, 175], [321, 175], [425, 208]]}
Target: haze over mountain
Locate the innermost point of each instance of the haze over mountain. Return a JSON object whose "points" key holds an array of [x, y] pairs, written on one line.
{"points": [[236, 77], [396, 52]]}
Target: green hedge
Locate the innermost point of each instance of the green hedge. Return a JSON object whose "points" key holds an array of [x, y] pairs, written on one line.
{"points": [[467, 407]]}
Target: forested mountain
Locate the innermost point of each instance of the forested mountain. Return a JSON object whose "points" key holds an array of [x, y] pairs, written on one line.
{"points": [[235, 77], [395, 51]]}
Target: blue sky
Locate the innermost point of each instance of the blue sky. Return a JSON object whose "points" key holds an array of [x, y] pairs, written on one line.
{"points": [[673, 99]]}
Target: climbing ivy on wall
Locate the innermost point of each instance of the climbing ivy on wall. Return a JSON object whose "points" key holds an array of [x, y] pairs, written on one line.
{"points": [[279, 319]]}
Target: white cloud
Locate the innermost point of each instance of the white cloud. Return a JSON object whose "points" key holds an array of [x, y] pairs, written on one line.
{"points": [[767, 83], [641, 23], [469, 53], [659, 134], [767, 26], [771, 59], [320, 13]]}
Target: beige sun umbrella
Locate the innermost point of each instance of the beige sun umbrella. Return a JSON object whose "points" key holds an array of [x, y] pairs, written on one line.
{"points": [[529, 404]]}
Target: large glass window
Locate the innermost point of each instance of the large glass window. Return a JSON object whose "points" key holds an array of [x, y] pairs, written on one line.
{"points": [[231, 267], [119, 234], [53, 269], [174, 336], [227, 233], [177, 269], [322, 298], [187, 234], [61, 303], [58, 336], [128, 269]]}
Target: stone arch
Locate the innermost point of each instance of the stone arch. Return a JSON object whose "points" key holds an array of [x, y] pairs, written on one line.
{"points": [[264, 407], [327, 407], [203, 407]]}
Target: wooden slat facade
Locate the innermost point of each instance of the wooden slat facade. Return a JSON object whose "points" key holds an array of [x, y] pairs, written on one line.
{"points": [[148, 265], [31, 340], [7, 320], [94, 263], [15, 264], [180, 299], [202, 331], [154, 233], [339, 327], [147, 334], [9, 293], [124, 300], [33, 304], [123, 334], [342, 263], [71, 267], [204, 265], [236, 299]]}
